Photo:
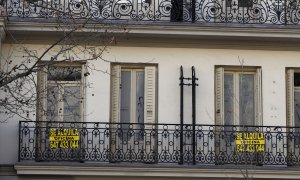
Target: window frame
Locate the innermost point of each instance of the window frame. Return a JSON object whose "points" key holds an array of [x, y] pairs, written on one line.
{"points": [[220, 72], [42, 88], [292, 143], [147, 144], [133, 90], [236, 94], [290, 94], [116, 82], [61, 90]]}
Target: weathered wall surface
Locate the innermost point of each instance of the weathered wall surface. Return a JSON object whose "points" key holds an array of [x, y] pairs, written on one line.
{"points": [[169, 59]]}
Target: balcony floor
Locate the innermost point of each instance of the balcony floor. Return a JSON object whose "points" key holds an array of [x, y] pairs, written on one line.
{"points": [[140, 170]]}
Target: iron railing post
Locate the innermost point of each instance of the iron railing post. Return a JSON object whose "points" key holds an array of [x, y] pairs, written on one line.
{"points": [[19, 144], [181, 115], [193, 10], [285, 12], [194, 112], [176, 11]]}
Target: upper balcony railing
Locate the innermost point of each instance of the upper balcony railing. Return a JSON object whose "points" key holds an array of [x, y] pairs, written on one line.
{"points": [[159, 143], [280, 12]]}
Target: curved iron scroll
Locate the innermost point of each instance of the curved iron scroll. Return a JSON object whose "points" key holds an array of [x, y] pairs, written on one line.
{"points": [[212, 11], [281, 145]]}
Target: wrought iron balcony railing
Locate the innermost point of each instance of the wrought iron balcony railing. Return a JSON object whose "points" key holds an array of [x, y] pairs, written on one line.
{"points": [[281, 12], [159, 143]]}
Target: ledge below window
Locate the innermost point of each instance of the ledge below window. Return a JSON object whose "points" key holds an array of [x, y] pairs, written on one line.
{"points": [[153, 171]]}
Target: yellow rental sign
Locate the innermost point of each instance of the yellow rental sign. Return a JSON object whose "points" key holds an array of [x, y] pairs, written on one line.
{"points": [[64, 138], [250, 142]]}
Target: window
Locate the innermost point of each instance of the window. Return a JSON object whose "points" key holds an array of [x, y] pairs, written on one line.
{"points": [[238, 102], [293, 113], [61, 93], [293, 107], [133, 100], [293, 97], [238, 96], [133, 94]]}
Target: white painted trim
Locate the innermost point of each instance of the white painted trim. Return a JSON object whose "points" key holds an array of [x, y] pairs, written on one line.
{"points": [[2, 28], [183, 29], [155, 172]]}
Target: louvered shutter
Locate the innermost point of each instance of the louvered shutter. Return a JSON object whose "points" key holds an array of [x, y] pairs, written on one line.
{"points": [[41, 94], [258, 110], [150, 112], [220, 143], [115, 109], [115, 94], [290, 97], [83, 91], [291, 159], [258, 87], [219, 95], [150, 95], [41, 112]]}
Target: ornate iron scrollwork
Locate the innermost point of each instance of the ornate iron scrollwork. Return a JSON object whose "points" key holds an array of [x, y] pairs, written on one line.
{"points": [[158, 143], [212, 11]]}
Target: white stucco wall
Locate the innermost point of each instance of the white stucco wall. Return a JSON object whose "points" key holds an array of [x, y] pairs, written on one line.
{"points": [[273, 64], [169, 60]]}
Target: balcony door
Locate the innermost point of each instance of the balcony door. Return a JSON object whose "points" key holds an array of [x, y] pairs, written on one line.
{"points": [[238, 103], [133, 103], [60, 102], [60, 94], [63, 102], [132, 95], [293, 115]]}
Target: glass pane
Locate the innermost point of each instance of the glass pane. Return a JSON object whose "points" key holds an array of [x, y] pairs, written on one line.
{"points": [[140, 89], [52, 103], [297, 108], [125, 102], [228, 99], [297, 115], [64, 74], [246, 97], [125, 96], [296, 79], [72, 103]]}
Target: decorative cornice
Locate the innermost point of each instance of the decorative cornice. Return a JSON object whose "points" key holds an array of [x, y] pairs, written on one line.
{"points": [[7, 170], [155, 172], [170, 30]]}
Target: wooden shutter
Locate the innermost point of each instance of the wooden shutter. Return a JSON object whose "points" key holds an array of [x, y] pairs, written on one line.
{"points": [[290, 97], [115, 94], [41, 113], [220, 143], [150, 113], [115, 110], [219, 95], [41, 94], [290, 116], [150, 95], [258, 103], [84, 75]]}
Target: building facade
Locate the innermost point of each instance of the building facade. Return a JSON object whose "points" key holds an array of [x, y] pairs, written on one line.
{"points": [[183, 89]]}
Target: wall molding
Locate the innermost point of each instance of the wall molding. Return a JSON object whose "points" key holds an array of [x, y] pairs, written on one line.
{"points": [[184, 172]]}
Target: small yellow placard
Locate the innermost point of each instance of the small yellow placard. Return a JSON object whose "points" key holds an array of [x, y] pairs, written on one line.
{"points": [[250, 142], [64, 138]]}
